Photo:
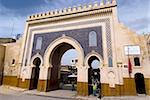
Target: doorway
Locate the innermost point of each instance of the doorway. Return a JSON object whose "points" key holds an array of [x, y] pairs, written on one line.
{"points": [[140, 83], [68, 70], [94, 74], [35, 73], [62, 76]]}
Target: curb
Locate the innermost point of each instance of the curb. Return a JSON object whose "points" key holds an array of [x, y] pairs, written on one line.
{"points": [[65, 98]]}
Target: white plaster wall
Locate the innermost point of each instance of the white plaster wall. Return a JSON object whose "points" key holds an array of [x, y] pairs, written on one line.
{"points": [[12, 52], [46, 28], [121, 36], [82, 74], [124, 36]]}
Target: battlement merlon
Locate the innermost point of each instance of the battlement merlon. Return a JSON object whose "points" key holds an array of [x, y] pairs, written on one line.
{"points": [[76, 9]]}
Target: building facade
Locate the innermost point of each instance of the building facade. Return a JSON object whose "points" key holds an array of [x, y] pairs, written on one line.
{"points": [[2, 57], [95, 33]]}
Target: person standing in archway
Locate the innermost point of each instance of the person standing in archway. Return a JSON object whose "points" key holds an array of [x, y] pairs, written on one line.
{"points": [[73, 87], [94, 89]]}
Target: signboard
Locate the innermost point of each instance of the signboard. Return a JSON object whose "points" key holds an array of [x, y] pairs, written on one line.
{"points": [[132, 50]]}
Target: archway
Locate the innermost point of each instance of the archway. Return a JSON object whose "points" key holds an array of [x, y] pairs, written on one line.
{"points": [[64, 39], [93, 73], [35, 73], [68, 70], [51, 55], [54, 77], [140, 83]]}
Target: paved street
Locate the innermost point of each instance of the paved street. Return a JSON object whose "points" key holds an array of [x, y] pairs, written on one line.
{"points": [[35, 97], [128, 98], [13, 93], [26, 97]]}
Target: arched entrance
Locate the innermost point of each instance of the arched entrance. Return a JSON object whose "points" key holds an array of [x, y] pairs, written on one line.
{"points": [[55, 51], [55, 60], [68, 70], [94, 61], [93, 73], [140, 83], [35, 73]]}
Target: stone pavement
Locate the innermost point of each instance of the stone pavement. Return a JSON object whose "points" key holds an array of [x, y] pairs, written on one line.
{"points": [[8, 90], [63, 94], [60, 94]]}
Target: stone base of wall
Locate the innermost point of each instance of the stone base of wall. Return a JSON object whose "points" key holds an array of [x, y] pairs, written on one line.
{"points": [[10, 80], [16, 82], [127, 89], [107, 91], [24, 83], [82, 88], [42, 85], [147, 85]]}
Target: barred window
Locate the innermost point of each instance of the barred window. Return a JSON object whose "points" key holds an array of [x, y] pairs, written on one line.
{"points": [[136, 61]]}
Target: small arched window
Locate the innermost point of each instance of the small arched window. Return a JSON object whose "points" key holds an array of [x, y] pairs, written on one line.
{"points": [[136, 61], [92, 38], [13, 61], [39, 43]]}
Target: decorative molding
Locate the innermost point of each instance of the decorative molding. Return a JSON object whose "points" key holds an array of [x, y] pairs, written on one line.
{"points": [[109, 41], [60, 40], [105, 20], [93, 53], [74, 10], [63, 35], [112, 79], [35, 56]]}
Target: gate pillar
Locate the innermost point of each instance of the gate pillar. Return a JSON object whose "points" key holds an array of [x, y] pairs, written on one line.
{"points": [[82, 81]]}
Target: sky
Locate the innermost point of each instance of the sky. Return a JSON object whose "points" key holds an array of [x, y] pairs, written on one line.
{"points": [[72, 54], [13, 13]]}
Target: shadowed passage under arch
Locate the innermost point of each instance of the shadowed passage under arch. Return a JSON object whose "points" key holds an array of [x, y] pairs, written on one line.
{"points": [[54, 77], [35, 73]]}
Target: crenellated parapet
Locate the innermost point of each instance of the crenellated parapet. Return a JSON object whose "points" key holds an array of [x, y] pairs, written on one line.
{"points": [[103, 5]]}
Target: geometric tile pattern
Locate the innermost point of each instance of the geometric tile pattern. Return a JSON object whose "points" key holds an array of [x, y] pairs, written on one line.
{"points": [[109, 42], [108, 34]]}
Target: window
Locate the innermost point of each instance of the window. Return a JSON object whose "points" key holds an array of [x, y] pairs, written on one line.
{"points": [[136, 61], [13, 61], [39, 43], [92, 38], [110, 63]]}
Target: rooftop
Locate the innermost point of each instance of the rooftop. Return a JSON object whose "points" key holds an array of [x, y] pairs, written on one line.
{"points": [[73, 10], [7, 40]]}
